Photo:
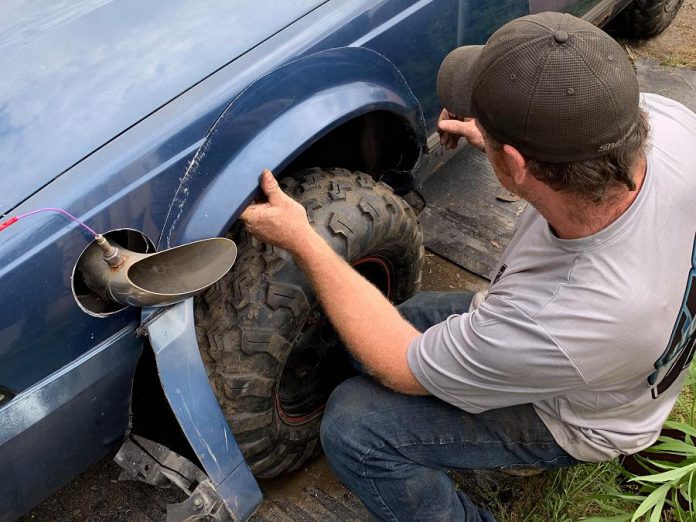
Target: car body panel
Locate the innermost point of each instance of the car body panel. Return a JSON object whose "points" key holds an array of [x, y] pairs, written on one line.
{"points": [[130, 182], [131, 177], [86, 404]]}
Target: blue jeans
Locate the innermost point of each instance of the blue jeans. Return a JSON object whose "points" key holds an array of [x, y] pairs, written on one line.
{"points": [[392, 449]]}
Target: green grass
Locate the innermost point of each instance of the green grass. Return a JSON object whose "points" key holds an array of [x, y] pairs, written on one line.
{"points": [[565, 495], [676, 61]]}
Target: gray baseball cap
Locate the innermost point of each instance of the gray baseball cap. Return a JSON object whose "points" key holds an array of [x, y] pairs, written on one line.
{"points": [[554, 86]]}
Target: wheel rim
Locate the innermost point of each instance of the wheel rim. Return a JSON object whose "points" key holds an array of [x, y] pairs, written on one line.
{"points": [[317, 363], [377, 271], [306, 380]]}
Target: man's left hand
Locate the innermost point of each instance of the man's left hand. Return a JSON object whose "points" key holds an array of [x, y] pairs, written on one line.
{"points": [[452, 128]]}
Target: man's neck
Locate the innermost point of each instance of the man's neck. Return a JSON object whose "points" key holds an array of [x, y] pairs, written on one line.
{"points": [[573, 218]]}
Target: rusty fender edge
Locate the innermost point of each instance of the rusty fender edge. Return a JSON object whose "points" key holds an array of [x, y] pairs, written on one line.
{"points": [[186, 386]]}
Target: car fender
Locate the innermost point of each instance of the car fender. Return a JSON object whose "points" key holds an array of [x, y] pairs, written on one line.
{"points": [[271, 122], [185, 384]]}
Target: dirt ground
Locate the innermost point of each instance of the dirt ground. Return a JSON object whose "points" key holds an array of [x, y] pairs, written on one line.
{"points": [[676, 46], [441, 275]]}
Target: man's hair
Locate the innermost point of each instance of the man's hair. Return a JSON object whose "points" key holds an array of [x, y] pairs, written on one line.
{"points": [[593, 179]]}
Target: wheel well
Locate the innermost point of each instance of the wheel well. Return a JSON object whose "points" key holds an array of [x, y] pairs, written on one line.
{"points": [[378, 142], [151, 415]]}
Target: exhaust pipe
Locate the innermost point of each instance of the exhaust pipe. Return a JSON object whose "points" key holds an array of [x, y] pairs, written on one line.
{"points": [[157, 279]]}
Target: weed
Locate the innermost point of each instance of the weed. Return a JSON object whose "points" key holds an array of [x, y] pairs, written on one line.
{"points": [[667, 488], [675, 61]]}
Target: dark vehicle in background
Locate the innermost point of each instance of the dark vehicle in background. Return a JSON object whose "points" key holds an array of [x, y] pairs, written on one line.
{"points": [[151, 123]]}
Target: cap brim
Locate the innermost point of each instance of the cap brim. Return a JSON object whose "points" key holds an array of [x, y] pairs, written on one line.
{"points": [[456, 78]]}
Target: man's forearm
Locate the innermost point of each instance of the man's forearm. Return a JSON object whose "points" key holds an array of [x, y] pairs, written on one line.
{"points": [[369, 325]]}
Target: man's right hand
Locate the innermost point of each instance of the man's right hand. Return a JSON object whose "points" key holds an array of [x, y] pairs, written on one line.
{"points": [[451, 129], [280, 220]]}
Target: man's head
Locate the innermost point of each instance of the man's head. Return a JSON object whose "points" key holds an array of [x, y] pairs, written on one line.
{"points": [[559, 91]]}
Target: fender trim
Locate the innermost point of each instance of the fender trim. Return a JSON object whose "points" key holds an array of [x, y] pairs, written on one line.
{"points": [[186, 386], [271, 122]]}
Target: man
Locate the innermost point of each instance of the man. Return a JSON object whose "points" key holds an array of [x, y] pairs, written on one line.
{"points": [[579, 349]]}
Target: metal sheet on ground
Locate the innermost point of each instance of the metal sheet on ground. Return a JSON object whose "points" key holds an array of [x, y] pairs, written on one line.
{"points": [[678, 83], [463, 221]]}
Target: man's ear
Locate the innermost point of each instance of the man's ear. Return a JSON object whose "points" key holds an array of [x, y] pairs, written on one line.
{"points": [[516, 164]]}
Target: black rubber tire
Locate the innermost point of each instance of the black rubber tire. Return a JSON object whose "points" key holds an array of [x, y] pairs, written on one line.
{"points": [[644, 18], [249, 323]]}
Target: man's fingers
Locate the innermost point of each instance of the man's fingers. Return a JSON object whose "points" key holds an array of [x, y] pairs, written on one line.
{"points": [[451, 126], [248, 213], [270, 187], [448, 140], [444, 115]]}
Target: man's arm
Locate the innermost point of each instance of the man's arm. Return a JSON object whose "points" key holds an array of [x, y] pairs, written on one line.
{"points": [[369, 325]]}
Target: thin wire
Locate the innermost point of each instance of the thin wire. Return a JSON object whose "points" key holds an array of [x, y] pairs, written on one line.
{"points": [[61, 211]]}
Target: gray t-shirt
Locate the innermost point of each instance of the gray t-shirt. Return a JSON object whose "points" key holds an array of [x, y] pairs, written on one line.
{"points": [[594, 332]]}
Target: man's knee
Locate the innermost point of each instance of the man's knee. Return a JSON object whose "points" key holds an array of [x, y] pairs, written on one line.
{"points": [[346, 430], [338, 427]]}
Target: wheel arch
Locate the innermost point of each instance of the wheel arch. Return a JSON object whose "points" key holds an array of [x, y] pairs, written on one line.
{"points": [[281, 121], [379, 143]]}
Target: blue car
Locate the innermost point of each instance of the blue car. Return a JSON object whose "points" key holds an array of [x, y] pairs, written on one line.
{"points": [[143, 127]]}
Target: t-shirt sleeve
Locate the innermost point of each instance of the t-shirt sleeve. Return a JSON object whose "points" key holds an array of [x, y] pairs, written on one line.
{"points": [[494, 357]]}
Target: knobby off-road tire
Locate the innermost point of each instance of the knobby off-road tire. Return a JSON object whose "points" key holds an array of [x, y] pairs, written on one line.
{"points": [[271, 355], [645, 18]]}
